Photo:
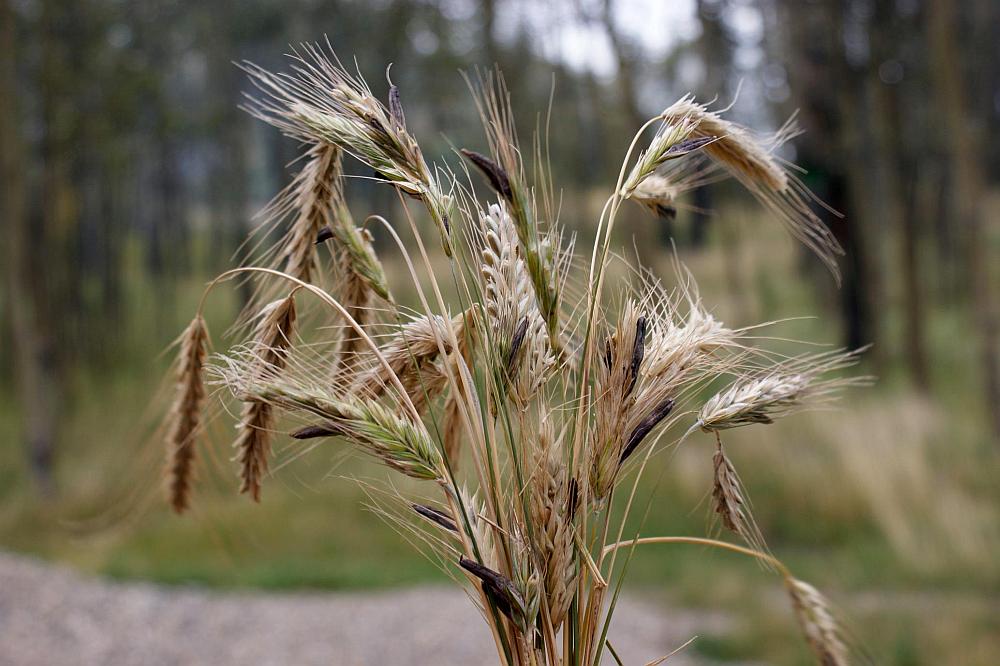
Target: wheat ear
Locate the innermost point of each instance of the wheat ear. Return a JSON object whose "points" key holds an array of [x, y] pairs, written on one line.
{"points": [[253, 443], [314, 189], [505, 173], [551, 505], [356, 295], [817, 622], [619, 366], [184, 418], [758, 170], [319, 101], [730, 503]]}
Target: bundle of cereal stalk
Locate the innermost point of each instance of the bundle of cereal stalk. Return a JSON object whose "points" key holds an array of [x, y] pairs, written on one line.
{"points": [[552, 398]]}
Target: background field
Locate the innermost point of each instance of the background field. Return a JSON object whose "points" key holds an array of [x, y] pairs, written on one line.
{"points": [[136, 179]]}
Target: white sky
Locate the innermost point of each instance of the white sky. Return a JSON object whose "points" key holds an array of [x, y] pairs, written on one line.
{"points": [[562, 34]]}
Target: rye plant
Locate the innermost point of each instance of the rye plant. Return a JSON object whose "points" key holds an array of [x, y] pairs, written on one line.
{"points": [[531, 403]]}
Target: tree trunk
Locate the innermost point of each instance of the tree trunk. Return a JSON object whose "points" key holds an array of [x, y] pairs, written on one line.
{"points": [[896, 165], [967, 176], [33, 354]]}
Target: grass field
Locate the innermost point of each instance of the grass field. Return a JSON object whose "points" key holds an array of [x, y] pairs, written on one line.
{"points": [[890, 503]]}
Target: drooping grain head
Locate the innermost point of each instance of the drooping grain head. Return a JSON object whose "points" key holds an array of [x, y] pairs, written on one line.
{"points": [[253, 443], [399, 441], [818, 624], [730, 502], [185, 415], [315, 190], [754, 401], [778, 391], [748, 159], [732, 144], [319, 101]]}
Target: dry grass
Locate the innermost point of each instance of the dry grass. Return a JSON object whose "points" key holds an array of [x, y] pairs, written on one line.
{"points": [[253, 443], [184, 419], [547, 395]]}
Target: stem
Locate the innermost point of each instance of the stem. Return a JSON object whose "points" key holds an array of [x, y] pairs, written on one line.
{"points": [[701, 541]]}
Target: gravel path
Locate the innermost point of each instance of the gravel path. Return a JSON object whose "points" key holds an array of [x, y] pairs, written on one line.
{"points": [[52, 616]]}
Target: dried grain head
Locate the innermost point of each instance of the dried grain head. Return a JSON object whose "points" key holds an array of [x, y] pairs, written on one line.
{"points": [[682, 352], [271, 343], [319, 101], [753, 163], [778, 391], [552, 514], [519, 342], [540, 242], [731, 503], [311, 196], [618, 368], [399, 441], [184, 419], [818, 624]]}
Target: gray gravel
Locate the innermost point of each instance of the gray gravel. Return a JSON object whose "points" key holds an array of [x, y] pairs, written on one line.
{"points": [[52, 616]]}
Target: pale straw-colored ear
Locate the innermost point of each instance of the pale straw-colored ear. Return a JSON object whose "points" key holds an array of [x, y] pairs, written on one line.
{"points": [[185, 416], [753, 163], [318, 101], [779, 390], [817, 622], [730, 502]]}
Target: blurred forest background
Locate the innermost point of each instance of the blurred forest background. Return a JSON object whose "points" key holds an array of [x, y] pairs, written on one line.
{"points": [[130, 177]]}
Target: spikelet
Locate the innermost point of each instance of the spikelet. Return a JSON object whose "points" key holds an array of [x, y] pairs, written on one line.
{"points": [[758, 170], [315, 189], [659, 194], [541, 251], [552, 516], [253, 443], [184, 418], [730, 504], [319, 101], [400, 442], [817, 622], [778, 392], [519, 341], [618, 370]]}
